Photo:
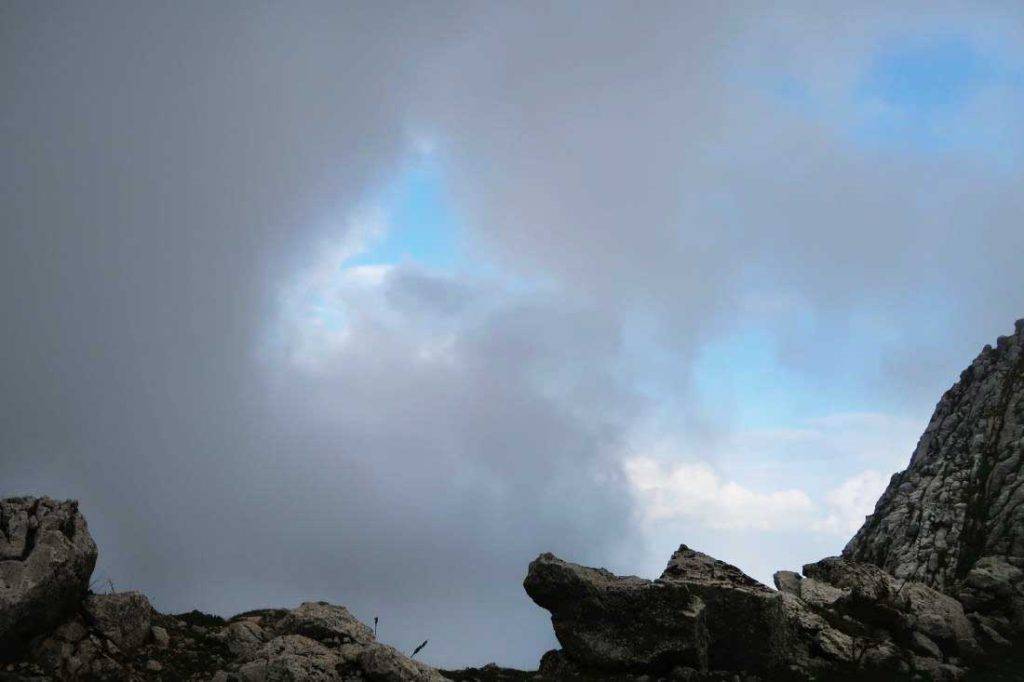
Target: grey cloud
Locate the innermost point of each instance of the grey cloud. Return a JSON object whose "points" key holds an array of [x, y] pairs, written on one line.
{"points": [[641, 158], [411, 292], [169, 169]]}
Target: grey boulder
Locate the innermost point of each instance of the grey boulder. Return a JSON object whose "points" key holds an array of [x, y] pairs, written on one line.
{"points": [[46, 559], [315, 641], [124, 618], [608, 622]]}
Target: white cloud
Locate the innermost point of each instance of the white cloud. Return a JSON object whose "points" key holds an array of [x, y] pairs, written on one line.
{"points": [[316, 306], [694, 491], [851, 501], [823, 475]]}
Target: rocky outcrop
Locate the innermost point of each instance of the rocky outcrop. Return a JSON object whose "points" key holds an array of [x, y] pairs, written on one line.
{"points": [[931, 587], [954, 519], [53, 628], [46, 558], [120, 637], [707, 619]]}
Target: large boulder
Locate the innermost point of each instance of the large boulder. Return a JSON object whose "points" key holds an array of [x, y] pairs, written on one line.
{"points": [[46, 559], [315, 641], [800, 632], [994, 590], [381, 663], [744, 619], [608, 622], [291, 657], [910, 612], [325, 623], [840, 620], [123, 618]]}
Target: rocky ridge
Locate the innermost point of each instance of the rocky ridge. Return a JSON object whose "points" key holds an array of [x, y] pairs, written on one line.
{"points": [[931, 588], [53, 627]]}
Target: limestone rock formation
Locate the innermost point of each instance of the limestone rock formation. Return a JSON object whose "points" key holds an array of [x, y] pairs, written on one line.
{"points": [[612, 623], [46, 558], [707, 619], [954, 519], [120, 637], [743, 615], [123, 618], [53, 628]]}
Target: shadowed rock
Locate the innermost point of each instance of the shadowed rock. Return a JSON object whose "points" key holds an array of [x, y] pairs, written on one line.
{"points": [[51, 628], [843, 620], [619, 623], [46, 558], [123, 618], [744, 617]]}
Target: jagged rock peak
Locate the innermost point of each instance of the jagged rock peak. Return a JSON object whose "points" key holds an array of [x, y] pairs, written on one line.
{"points": [[954, 519]]}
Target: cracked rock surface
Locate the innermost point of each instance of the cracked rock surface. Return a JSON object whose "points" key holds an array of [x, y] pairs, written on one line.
{"points": [[954, 519], [619, 623], [53, 628], [704, 619], [120, 636], [46, 558]]}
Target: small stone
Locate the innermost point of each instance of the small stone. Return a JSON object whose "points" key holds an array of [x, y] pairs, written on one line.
{"points": [[154, 666]]}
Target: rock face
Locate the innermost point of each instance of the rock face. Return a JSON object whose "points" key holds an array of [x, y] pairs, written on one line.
{"points": [[46, 558], [954, 519]]}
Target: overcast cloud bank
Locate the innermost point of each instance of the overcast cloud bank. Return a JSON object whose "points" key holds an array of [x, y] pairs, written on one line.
{"points": [[707, 271]]}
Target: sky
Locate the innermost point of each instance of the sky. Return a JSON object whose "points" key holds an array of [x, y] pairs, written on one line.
{"points": [[374, 302]]}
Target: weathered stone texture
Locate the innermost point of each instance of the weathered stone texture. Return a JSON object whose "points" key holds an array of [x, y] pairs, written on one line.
{"points": [[842, 620], [619, 623], [46, 558], [124, 618], [960, 503]]}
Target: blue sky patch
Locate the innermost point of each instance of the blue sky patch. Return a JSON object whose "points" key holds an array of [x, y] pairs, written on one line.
{"points": [[421, 224], [927, 77], [915, 92]]}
